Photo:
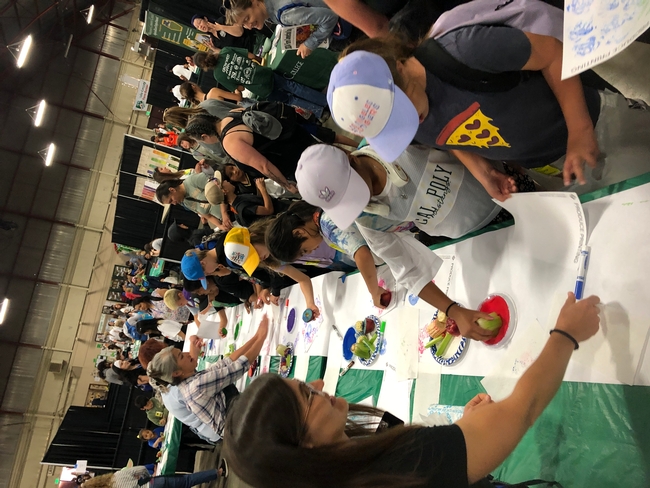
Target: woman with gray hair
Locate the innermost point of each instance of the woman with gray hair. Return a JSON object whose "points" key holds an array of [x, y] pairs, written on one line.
{"points": [[207, 393]]}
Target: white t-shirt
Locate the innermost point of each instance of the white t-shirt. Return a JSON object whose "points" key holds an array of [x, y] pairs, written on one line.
{"points": [[441, 197], [180, 70], [170, 329], [176, 91]]}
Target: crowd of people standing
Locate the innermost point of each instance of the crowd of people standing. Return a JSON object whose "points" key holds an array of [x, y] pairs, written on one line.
{"points": [[455, 111]]}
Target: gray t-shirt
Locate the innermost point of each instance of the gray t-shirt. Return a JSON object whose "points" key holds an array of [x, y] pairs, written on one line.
{"points": [[441, 197], [195, 200]]}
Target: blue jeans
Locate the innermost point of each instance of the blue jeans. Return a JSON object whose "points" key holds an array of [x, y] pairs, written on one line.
{"points": [[298, 95], [183, 480]]}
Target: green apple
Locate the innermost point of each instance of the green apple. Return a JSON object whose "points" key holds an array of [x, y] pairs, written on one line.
{"points": [[494, 324]]}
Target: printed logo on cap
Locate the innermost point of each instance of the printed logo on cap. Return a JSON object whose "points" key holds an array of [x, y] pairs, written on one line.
{"points": [[326, 194]]}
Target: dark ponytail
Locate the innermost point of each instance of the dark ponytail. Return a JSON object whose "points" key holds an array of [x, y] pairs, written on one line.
{"points": [[163, 189], [159, 176], [281, 240], [145, 326], [205, 61], [188, 90], [202, 124]]}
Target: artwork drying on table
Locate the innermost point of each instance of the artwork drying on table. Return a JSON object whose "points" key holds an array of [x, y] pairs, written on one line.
{"points": [[96, 396], [596, 30]]}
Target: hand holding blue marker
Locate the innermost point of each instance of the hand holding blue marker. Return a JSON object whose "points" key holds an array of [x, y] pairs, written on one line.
{"points": [[583, 264]]}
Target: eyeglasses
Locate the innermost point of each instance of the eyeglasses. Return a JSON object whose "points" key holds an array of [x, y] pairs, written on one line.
{"points": [[310, 399]]}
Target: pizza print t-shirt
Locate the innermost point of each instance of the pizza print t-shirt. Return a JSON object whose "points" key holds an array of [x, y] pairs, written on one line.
{"points": [[235, 69], [524, 125]]}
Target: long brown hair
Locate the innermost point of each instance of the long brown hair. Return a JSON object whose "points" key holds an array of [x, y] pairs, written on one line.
{"points": [[179, 116], [189, 91], [392, 48], [262, 438], [205, 61], [281, 239], [159, 176], [257, 231]]}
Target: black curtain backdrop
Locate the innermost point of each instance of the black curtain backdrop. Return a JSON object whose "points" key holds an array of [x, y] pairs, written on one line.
{"points": [[137, 220], [105, 437], [183, 11]]}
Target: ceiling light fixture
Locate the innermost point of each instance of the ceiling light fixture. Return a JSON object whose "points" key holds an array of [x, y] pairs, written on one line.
{"points": [[37, 112], [88, 13], [3, 309], [20, 50], [48, 154]]}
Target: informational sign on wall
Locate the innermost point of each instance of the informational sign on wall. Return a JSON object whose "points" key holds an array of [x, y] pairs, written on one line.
{"points": [[152, 158], [174, 32], [597, 30], [141, 95], [145, 188]]}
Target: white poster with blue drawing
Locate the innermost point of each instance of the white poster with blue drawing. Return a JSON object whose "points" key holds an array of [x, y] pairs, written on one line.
{"points": [[596, 30]]}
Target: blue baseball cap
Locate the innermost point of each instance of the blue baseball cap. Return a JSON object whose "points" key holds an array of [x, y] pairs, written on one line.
{"points": [[364, 100], [192, 269]]}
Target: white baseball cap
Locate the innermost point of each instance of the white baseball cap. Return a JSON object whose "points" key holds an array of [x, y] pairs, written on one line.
{"points": [[364, 100], [326, 179]]}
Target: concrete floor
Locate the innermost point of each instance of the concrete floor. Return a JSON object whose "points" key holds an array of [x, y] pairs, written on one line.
{"points": [[208, 460], [629, 72]]}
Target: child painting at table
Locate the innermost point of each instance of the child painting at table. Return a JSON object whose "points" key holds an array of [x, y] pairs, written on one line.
{"points": [[297, 233], [242, 251], [153, 437], [344, 188]]}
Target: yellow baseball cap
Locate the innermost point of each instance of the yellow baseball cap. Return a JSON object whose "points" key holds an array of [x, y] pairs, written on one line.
{"points": [[239, 250]]}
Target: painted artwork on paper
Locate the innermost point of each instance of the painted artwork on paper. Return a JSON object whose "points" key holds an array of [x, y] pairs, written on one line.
{"points": [[596, 30]]}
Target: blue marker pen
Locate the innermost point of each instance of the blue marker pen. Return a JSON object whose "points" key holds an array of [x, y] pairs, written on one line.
{"points": [[583, 264]]}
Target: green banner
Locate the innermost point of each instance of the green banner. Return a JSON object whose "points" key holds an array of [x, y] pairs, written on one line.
{"points": [[174, 32]]}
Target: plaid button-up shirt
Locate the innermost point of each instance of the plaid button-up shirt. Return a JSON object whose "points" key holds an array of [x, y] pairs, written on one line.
{"points": [[202, 391], [128, 477]]}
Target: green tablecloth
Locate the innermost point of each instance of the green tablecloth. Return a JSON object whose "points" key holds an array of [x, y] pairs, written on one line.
{"points": [[172, 443]]}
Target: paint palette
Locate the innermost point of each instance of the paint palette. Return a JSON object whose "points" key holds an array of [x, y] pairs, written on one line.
{"points": [[291, 320], [352, 334], [505, 308]]}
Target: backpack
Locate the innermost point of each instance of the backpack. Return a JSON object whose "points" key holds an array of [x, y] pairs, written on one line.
{"points": [[439, 62], [272, 120], [529, 15]]}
